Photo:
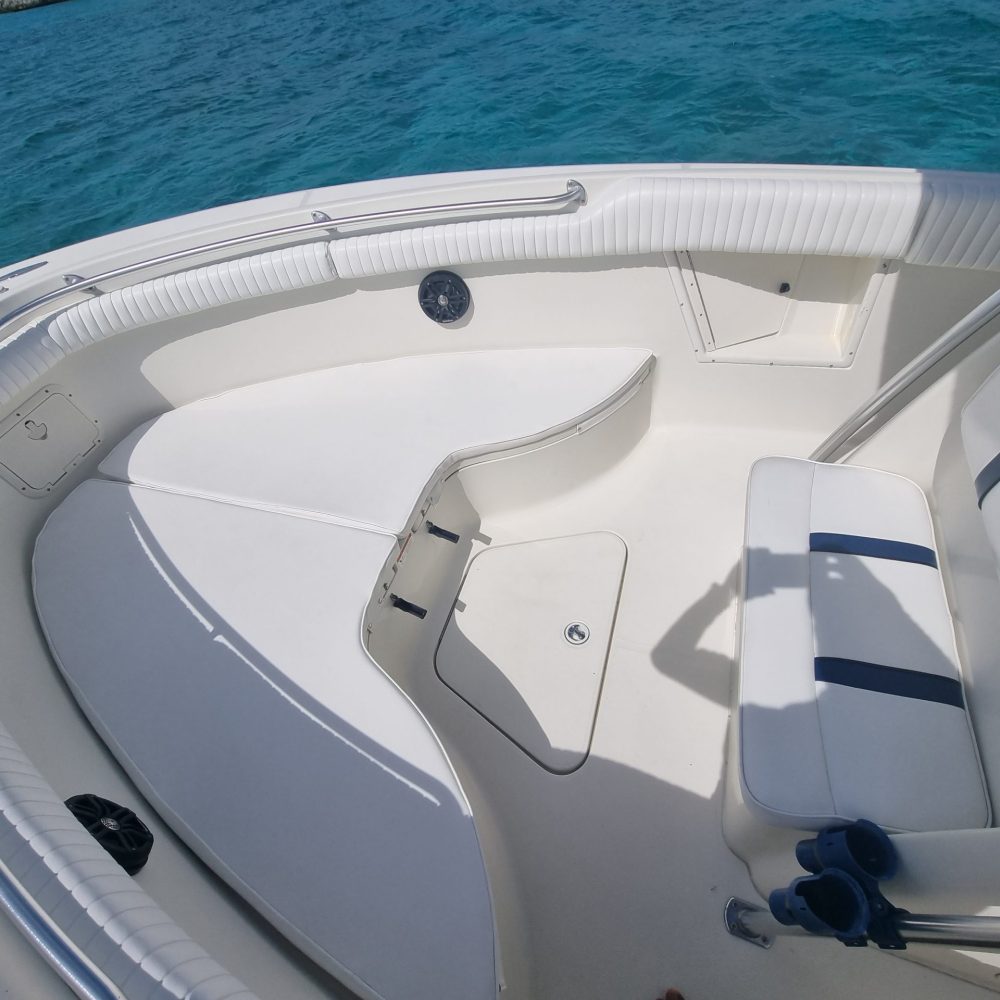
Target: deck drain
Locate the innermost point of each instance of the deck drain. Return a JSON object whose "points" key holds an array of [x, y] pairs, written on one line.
{"points": [[576, 633]]}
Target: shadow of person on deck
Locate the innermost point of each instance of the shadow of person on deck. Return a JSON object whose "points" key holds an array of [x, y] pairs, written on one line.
{"points": [[678, 654]]}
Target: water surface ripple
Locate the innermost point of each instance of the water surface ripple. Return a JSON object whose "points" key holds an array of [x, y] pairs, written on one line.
{"points": [[119, 112]]}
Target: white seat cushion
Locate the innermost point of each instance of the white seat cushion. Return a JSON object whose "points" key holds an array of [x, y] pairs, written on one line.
{"points": [[851, 702], [361, 443], [981, 438], [217, 649]]}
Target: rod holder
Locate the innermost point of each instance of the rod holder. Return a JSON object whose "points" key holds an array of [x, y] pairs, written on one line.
{"points": [[860, 849], [829, 903], [842, 899]]}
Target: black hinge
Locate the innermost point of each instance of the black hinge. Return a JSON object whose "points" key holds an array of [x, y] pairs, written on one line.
{"points": [[408, 606], [438, 532]]}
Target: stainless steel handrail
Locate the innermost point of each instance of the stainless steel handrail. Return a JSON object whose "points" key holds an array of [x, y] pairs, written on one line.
{"points": [[755, 924], [971, 324], [575, 194], [62, 955], [956, 931]]}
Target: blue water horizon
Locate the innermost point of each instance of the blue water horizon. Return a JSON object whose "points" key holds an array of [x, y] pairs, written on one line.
{"points": [[122, 112]]}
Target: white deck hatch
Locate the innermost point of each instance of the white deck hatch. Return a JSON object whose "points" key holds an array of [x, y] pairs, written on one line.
{"points": [[527, 642]]}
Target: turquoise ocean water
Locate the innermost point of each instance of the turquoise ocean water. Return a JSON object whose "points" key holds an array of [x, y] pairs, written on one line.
{"points": [[119, 112]]}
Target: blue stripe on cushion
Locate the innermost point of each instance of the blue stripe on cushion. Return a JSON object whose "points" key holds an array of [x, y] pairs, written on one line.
{"points": [[889, 680], [988, 478], [880, 548]]}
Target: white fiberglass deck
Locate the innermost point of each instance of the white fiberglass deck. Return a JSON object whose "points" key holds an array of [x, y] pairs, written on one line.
{"points": [[607, 881], [630, 844], [622, 864], [621, 867]]}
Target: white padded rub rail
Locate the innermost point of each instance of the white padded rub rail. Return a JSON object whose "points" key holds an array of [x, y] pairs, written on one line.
{"points": [[850, 217], [961, 227], [95, 905], [29, 356]]}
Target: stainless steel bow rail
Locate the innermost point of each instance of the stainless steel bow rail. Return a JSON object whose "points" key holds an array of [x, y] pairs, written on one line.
{"points": [[575, 194]]}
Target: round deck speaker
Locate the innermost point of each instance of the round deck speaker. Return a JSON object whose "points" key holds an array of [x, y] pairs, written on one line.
{"points": [[117, 829], [444, 297]]}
